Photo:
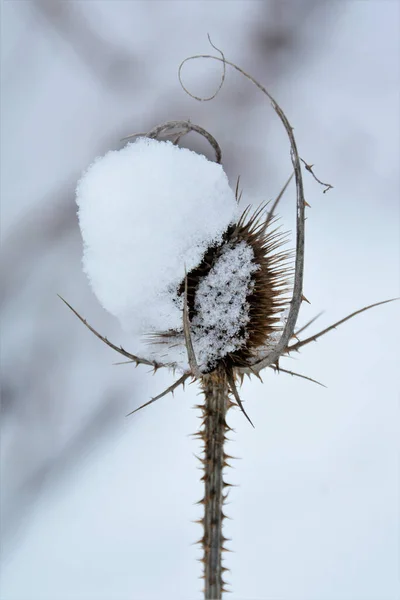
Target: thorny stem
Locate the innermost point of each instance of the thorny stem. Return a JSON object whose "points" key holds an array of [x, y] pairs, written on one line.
{"points": [[217, 402]]}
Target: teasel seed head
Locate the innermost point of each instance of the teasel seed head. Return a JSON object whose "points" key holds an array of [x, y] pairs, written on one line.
{"points": [[237, 294]]}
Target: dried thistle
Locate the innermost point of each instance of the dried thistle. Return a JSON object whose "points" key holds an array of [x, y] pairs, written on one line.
{"points": [[247, 269]]}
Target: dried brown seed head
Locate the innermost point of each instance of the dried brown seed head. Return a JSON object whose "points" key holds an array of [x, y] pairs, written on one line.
{"points": [[236, 295]]}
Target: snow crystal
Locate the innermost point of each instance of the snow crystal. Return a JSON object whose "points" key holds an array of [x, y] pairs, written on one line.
{"points": [[222, 312], [147, 212]]}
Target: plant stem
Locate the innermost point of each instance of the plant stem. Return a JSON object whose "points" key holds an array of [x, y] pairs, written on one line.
{"points": [[217, 402]]}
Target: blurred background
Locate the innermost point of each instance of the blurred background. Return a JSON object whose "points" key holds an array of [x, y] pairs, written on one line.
{"points": [[98, 506]]}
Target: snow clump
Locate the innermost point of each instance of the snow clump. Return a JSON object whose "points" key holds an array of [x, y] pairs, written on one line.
{"points": [[147, 212]]}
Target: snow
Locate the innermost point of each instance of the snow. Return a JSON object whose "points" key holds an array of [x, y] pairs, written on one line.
{"points": [[146, 213], [222, 311]]}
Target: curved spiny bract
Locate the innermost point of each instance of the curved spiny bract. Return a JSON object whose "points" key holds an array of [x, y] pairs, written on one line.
{"points": [[133, 358], [272, 356], [179, 129]]}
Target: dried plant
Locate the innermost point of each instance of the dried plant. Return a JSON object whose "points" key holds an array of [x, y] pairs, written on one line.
{"points": [[262, 337]]}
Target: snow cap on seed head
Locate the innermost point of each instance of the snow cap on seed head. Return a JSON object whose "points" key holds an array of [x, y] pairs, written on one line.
{"points": [[146, 212]]}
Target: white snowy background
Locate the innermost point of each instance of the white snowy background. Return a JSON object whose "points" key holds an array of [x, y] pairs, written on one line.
{"points": [[96, 506]]}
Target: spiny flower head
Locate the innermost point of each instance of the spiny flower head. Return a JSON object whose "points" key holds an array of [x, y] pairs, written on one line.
{"points": [[236, 296]]}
